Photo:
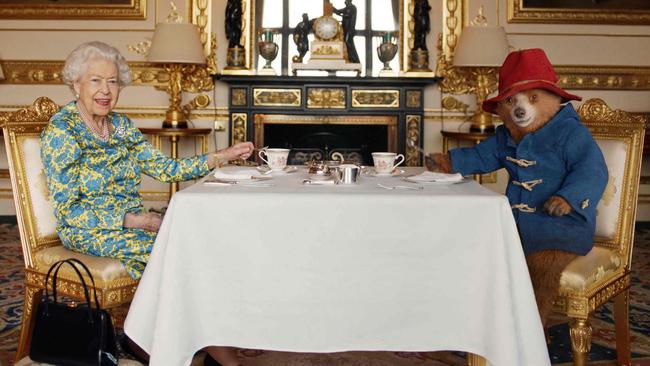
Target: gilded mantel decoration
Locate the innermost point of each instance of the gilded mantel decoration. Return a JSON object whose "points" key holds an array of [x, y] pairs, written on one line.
{"points": [[80, 9], [414, 59]]}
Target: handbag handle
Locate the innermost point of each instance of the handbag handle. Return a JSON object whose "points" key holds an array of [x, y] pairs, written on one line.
{"points": [[72, 262]]}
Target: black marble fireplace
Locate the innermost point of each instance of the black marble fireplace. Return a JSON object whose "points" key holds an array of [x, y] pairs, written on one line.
{"points": [[307, 142], [316, 116]]}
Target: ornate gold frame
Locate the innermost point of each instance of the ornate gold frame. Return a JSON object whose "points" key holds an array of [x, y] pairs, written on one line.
{"points": [[518, 13], [135, 10]]}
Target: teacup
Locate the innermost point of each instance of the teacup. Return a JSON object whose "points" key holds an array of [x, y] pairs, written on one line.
{"points": [[276, 159], [385, 162]]}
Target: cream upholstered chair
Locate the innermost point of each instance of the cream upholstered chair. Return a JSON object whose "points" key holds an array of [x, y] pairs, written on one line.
{"points": [[604, 273], [37, 223]]}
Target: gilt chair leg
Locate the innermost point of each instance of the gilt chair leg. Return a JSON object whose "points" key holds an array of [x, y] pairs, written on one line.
{"points": [[621, 322], [580, 331], [33, 296]]}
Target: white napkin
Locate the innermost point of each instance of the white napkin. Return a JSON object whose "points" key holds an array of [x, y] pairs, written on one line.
{"points": [[428, 177], [240, 174]]}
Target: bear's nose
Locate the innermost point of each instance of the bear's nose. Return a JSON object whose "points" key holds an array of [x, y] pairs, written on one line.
{"points": [[520, 112]]}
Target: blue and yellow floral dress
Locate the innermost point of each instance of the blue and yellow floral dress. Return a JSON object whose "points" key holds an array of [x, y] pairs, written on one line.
{"points": [[94, 183]]}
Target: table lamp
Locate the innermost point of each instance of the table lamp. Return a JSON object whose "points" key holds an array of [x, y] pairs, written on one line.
{"points": [[178, 46], [481, 49]]}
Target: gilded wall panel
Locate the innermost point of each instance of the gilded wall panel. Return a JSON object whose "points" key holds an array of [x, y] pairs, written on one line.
{"points": [[239, 127], [325, 98], [413, 128], [413, 98], [263, 97], [238, 97], [375, 98]]}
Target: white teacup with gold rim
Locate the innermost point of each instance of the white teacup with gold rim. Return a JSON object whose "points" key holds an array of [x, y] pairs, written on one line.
{"points": [[276, 158], [385, 162]]}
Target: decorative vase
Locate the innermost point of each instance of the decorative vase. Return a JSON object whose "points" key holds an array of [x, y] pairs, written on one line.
{"points": [[268, 50], [386, 52]]}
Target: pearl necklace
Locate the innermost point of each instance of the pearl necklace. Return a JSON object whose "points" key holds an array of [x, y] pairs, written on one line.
{"points": [[102, 134]]}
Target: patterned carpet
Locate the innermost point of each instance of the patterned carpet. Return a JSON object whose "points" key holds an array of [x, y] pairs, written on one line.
{"points": [[603, 347]]}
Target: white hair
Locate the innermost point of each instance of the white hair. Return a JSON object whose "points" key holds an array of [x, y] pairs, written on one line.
{"points": [[77, 61]]}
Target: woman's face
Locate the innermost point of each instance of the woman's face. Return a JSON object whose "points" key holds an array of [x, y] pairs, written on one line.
{"points": [[98, 87]]}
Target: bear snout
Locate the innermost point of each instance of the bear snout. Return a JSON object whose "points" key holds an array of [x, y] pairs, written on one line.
{"points": [[520, 112]]}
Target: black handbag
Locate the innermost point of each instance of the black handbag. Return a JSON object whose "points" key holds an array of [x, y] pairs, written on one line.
{"points": [[72, 336]]}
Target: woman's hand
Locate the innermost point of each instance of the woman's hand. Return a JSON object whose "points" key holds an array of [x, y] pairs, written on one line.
{"points": [[242, 150], [149, 221]]}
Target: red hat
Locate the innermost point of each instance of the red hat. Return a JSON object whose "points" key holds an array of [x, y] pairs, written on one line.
{"points": [[523, 70]]}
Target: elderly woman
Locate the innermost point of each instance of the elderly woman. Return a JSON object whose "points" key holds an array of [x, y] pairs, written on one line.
{"points": [[94, 159]]}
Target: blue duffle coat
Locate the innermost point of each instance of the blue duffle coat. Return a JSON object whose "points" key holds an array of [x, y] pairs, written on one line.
{"points": [[560, 159]]}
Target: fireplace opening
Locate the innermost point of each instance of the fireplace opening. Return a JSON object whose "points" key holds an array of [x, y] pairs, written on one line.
{"points": [[318, 141]]}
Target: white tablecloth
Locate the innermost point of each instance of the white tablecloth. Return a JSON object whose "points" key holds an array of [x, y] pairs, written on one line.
{"points": [[336, 268]]}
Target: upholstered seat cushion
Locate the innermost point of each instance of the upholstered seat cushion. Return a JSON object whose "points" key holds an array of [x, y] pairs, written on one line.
{"points": [[585, 271], [103, 269]]}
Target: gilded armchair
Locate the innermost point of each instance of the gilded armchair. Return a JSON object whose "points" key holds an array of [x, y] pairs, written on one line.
{"points": [[37, 224], [604, 273]]}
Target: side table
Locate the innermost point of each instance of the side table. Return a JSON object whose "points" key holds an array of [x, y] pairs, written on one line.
{"points": [[174, 135], [475, 137]]}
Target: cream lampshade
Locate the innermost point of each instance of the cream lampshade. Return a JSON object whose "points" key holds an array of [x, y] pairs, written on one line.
{"points": [[177, 45], [481, 48]]}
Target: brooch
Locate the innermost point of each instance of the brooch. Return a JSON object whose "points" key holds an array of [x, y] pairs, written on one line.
{"points": [[585, 204], [120, 131]]}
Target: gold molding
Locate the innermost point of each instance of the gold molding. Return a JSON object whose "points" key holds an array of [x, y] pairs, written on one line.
{"points": [[135, 10], [239, 127], [324, 119], [604, 77], [453, 20], [269, 97], [23, 72], [574, 77], [450, 103], [199, 14], [326, 98], [375, 98], [518, 13]]}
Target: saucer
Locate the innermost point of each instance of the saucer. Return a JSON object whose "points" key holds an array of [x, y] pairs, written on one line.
{"points": [[396, 172], [264, 169]]}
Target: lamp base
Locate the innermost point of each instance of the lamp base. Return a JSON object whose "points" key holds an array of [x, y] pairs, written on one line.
{"points": [[175, 118], [174, 124], [481, 129], [482, 122]]}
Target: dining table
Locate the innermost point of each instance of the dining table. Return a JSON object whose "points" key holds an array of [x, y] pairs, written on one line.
{"points": [[289, 264]]}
